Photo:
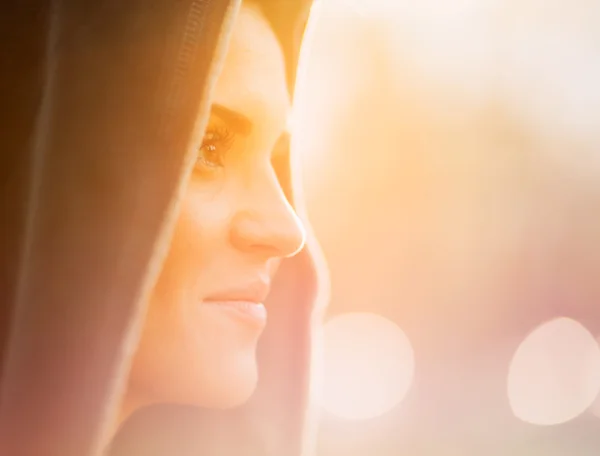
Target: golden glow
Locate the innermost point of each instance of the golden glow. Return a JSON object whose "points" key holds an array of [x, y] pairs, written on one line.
{"points": [[555, 373], [369, 365], [428, 131], [383, 8]]}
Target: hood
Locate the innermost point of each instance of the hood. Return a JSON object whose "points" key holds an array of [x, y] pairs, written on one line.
{"points": [[104, 103]]}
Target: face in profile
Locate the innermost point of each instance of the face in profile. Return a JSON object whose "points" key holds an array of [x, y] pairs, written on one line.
{"points": [[205, 317]]}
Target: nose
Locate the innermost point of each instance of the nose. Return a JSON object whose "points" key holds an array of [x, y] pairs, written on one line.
{"points": [[268, 226]]}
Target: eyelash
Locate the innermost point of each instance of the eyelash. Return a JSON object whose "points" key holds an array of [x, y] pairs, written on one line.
{"points": [[216, 141]]}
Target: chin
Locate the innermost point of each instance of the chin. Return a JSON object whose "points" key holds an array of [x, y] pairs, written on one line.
{"points": [[230, 393], [229, 384], [232, 399], [212, 365]]}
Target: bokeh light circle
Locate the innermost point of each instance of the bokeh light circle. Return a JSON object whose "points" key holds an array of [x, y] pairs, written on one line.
{"points": [[555, 373], [368, 366]]}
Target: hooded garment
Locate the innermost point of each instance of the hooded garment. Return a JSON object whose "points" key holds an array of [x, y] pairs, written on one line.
{"points": [[104, 105]]}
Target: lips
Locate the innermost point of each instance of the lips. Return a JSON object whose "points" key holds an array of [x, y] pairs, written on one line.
{"points": [[245, 303], [255, 292]]}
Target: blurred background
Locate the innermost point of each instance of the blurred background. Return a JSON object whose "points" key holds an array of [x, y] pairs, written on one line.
{"points": [[451, 155]]}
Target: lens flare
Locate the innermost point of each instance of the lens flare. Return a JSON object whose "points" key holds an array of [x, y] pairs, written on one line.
{"points": [[555, 373], [369, 366]]}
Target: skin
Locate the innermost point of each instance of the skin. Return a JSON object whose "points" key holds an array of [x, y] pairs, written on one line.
{"points": [[234, 228]]}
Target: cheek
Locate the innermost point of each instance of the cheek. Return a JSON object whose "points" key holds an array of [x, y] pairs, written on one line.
{"points": [[199, 238], [187, 352], [196, 239]]}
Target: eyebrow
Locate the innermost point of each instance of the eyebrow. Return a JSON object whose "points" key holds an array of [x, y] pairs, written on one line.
{"points": [[237, 121]]}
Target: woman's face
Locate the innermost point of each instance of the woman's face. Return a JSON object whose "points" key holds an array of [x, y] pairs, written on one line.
{"points": [[205, 317]]}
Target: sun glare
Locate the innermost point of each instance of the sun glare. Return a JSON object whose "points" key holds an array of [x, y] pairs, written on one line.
{"points": [[369, 366], [385, 8], [555, 373]]}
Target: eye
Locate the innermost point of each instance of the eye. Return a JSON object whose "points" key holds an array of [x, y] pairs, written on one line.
{"points": [[216, 143]]}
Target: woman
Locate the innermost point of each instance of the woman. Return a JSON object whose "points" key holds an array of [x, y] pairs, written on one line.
{"points": [[151, 215]]}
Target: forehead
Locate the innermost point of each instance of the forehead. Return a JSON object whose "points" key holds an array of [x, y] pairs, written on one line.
{"points": [[253, 80]]}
